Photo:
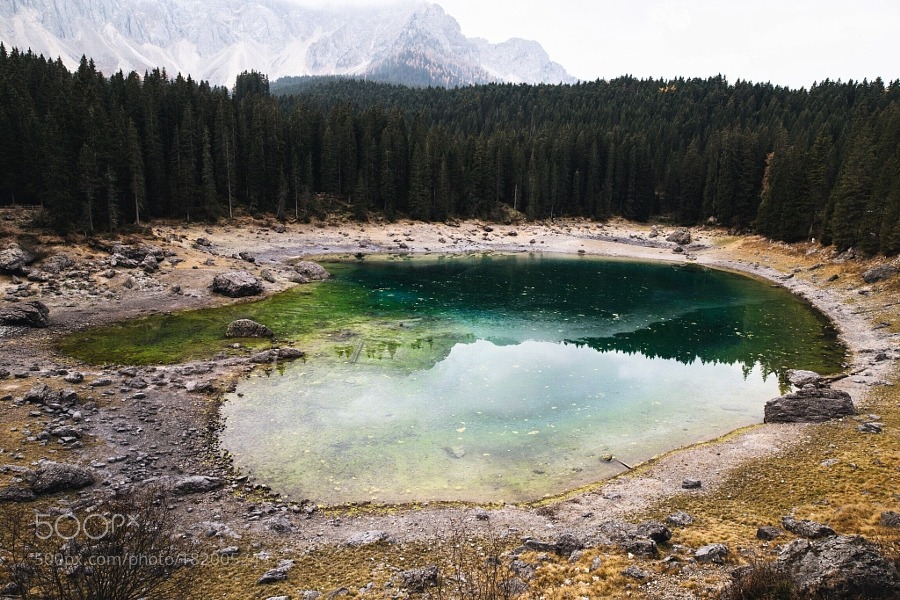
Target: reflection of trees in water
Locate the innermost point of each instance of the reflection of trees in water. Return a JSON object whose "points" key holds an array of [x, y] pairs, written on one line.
{"points": [[776, 337]]}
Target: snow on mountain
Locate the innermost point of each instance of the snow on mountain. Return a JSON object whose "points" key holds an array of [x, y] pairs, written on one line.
{"points": [[409, 42]]}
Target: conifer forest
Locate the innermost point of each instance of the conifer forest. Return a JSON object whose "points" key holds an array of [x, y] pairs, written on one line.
{"points": [[100, 153]]}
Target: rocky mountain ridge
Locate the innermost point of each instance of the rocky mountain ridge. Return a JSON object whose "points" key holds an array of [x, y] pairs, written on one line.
{"points": [[412, 42]]}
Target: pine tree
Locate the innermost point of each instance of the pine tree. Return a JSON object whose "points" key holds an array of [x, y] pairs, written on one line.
{"points": [[852, 193], [136, 170]]}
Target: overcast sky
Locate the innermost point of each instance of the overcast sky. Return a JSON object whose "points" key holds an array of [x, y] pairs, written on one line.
{"points": [[787, 42]]}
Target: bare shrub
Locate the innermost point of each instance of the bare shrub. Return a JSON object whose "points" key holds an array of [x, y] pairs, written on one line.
{"points": [[761, 580], [477, 568], [124, 550]]}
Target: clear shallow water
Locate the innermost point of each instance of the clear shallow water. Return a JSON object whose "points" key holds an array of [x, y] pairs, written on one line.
{"points": [[509, 378]]}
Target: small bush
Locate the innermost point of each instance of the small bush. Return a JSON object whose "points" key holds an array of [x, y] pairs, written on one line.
{"points": [[477, 568], [124, 550], [761, 580]]}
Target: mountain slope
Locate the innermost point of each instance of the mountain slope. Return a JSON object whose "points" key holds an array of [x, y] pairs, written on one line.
{"points": [[409, 42]]}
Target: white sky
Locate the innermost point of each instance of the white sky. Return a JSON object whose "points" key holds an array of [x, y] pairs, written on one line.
{"points": [[788, 42]]}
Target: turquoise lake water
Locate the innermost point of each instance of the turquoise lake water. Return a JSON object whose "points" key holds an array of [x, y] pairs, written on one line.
{"points": [[509, 378]]}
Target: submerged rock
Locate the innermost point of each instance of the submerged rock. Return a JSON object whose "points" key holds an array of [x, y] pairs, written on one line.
{"points": [[237, 284], [247, 328], [809, 405]]}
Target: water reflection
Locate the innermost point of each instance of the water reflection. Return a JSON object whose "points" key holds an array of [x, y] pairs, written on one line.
{"points": [[507, 378]]}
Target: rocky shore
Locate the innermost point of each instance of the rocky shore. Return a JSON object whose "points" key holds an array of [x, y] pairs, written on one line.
{"points": [[74, 433]]}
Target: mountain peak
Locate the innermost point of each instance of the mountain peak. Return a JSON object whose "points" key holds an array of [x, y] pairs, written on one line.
{"points": [[409, 42]]}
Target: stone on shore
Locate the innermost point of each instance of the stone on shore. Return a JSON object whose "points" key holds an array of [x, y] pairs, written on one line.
{"points": [[879, 273], [809, 405], [196, 484], [840, 567], [800, 378], [306, 271], [237, 284], [682, 237], [28, 314], [51, 477], [14, 259]]}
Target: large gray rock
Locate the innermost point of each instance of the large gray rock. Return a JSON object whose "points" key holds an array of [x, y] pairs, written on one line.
{"points": [[57, 263], [306, 271], [13, 260], [800, 378], [16, 493], [807, 529], [247, 328], [418, 580], [51, 477], [367, 538], [840, 567], [28, 314], [713, 553], [41, 393], [877, 274], [196, 484], [237, 284], [809, 405], [682, 237]]}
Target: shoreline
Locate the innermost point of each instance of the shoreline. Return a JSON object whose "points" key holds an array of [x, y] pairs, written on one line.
{"points": [[630, 493]]}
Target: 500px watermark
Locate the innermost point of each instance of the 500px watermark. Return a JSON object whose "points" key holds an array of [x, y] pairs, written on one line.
{"points": [[134, 561], [69, 526]]}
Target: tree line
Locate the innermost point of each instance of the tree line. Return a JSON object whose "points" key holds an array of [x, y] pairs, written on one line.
{"points": [[99, 153]]}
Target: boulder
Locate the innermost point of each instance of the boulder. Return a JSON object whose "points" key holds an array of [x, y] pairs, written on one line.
{"points": [[367, 538], [807, 529], [306, 271], [713, 553], [267, 356], [150, 264], [16, 493], [654, 530], [682, 237], [635, 572], [680, 519], [640, 547], [691, 484], [57, 263], [840, 567], [237, 284], [28, 314], [809, 405], [247, 328], [890, 519], [13, 260], [51, 477], [196, 484], [800, 378], [880, 273], [418, 580], [41, 393], [768, 533]]}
